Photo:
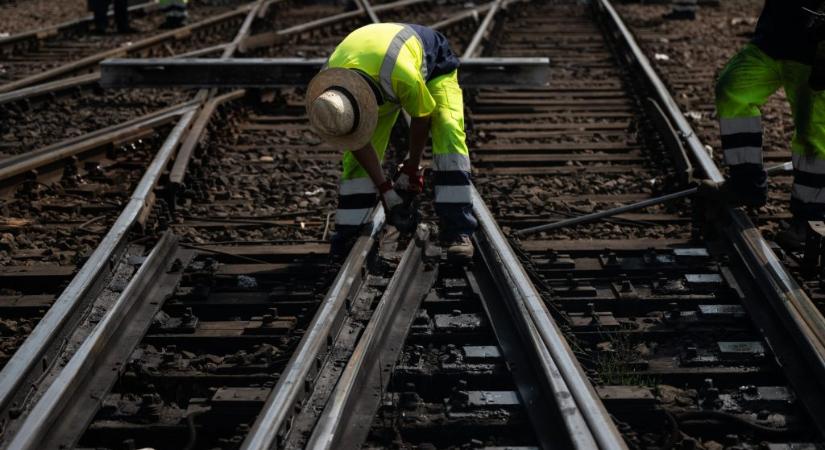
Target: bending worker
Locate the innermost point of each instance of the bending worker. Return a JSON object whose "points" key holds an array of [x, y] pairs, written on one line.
{"points": [[781, 54], [353, 103]]}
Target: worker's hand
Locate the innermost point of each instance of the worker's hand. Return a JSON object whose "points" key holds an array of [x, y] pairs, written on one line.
{"points": [[410, 178], [389, 197], [400, 213]]}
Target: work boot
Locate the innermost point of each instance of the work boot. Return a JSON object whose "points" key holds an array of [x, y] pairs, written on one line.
{"points": [[792, 239], [459, 248]]}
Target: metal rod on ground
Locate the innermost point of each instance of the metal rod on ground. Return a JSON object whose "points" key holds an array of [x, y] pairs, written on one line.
{"points": [[628, 208]]}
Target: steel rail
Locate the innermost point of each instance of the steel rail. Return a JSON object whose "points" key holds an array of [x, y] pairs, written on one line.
{"points": [[297, 376], [123, 50], [797, 311], [181, 164], [544, 410], [469, 14], [32, 358], [587, 421], [108, 341], [473, 47], [54, 30], [16, 166], [346, 420], [365, 4], [48, 88]]}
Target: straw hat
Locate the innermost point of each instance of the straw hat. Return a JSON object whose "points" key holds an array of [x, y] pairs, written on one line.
{"points": [[342, 108]]}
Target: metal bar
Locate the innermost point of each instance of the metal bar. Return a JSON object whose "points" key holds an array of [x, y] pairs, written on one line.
{"points": [[288, 72], [274, 417], [347, 418], [111, 338], [592, 217], [473, 47], [796, 309], [27, 362], [588, 423]]}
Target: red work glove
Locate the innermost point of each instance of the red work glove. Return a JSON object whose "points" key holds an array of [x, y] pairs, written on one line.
{"points": [[410, 178]]}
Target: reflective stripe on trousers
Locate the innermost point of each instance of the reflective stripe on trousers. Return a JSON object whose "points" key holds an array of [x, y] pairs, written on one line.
{"points": [[741, 140], [356, 198], [809, 179]]}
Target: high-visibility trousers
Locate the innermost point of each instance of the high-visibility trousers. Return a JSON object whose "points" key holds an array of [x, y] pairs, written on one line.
{"points": [[744, 85], [174, 8], [357, 194]]}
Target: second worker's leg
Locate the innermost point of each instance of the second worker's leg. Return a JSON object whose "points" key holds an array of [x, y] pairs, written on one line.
{"points": [[808, 149], [744, 85], [122, 16], [100, 8]]}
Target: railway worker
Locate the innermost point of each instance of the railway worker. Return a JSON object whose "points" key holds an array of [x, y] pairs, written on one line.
{"points": [[176, 12], [781, 54], [376, 71], [100, 8]]}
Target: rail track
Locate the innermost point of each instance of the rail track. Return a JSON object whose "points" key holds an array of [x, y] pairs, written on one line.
{"points": [[208, 315], [661, 311]]}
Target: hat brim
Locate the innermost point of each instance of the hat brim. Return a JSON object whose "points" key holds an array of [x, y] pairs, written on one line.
{"points": [[365, 102]]}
